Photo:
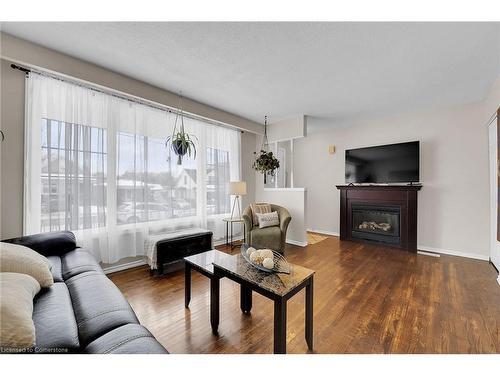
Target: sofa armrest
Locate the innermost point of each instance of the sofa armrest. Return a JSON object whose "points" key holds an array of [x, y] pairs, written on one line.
{"points": [[53, 243]]}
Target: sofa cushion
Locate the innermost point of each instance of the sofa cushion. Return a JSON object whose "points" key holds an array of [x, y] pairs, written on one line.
{"points": [[54, 319], [127, 339], [98, 304], [55, 268], [22, 259], [77, 262], [16, 308], [53, 243]]}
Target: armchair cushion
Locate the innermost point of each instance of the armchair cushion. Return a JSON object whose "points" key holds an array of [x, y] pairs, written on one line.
{"points": [[259, 208], [270, 219], [269, 237]]}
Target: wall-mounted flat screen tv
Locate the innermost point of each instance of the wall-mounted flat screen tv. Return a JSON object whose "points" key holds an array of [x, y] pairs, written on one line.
{"points": [[396, 163]]}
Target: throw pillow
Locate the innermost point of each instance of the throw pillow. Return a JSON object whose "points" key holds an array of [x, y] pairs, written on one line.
{"points": [[270, 219], [16, 309], [259, 208], [21, 259]]}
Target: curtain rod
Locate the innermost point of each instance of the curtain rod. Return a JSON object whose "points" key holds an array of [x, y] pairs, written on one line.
{"points": [[123, 96]]}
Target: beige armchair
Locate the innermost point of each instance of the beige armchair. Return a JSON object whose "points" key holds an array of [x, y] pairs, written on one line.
{"points": [[270, 237]]}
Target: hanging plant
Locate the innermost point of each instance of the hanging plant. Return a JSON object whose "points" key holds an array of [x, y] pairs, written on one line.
{"points": [[265, 161], [180, 142]]}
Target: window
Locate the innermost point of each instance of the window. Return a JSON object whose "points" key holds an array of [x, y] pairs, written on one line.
{"points": [[218, 171], [73, 176], [150, 184], [97, 165]]}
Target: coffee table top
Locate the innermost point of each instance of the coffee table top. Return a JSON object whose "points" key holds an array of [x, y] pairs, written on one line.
{"points": [[205, 260], [276, 283]]}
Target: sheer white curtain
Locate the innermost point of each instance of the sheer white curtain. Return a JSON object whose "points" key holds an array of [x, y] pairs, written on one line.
{"points": [[97, 165]]}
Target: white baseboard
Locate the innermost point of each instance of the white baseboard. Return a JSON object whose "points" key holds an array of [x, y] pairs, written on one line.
{"points": [[420, 247], [453, 252], [326, 232], [428, 253], [124, 266], [296, 243]]}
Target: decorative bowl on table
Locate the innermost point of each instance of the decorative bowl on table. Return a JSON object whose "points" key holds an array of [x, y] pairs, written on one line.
{"points": [[266, 260]]}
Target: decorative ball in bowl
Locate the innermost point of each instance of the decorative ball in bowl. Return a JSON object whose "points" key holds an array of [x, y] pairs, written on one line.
{"points": [[266, 260]]}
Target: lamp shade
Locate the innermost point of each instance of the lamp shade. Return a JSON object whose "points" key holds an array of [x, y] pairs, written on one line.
{"points": [[237, 188]]}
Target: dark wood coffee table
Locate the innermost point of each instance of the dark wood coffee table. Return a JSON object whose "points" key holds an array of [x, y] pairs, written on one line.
{"points": [[277, 287], [203, 263]]}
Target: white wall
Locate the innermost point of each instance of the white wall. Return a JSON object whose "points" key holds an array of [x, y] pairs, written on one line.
{"points": [[292, 127], [294, 200], [453, 205]]}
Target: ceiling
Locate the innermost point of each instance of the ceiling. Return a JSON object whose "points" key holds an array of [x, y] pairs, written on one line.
{"points": [[333, 72]]}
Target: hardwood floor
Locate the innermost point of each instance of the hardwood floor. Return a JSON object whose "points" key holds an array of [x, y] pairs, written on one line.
{"points": [[367, 299]]}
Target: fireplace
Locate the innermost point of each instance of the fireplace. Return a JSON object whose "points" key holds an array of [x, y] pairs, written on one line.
{"points": [[380, 214], [375, 222]]}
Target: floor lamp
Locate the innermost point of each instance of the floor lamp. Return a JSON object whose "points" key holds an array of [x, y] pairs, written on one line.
{"points": [[237, 188]]}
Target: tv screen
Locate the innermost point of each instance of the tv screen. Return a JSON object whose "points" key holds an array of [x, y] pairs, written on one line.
{"points": [[396, 163]]}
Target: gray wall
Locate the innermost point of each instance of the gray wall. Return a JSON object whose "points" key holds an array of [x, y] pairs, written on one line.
{"points": [[12, 118], [248, 141], [11, 151], [24, 52]]}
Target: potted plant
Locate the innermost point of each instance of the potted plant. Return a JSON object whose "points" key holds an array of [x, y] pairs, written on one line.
{"points": [[265, 161], [181, 142]]}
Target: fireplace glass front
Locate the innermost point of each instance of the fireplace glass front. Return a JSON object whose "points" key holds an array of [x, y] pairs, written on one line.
{"points": [[376, 223]]}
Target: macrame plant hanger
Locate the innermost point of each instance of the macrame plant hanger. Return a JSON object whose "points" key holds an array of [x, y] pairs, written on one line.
{"points": [[265, 144]]}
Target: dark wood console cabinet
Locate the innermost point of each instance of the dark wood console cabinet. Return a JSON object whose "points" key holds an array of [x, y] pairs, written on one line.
{"points": [[402, 196]]}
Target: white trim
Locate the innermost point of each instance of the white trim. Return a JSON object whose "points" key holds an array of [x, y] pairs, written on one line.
{"points": [[292, 183], [498, 280], [284, 189], [125, 266], [428, 253], [420, 247], [492, 119], [297, 243], [326, 232], [454, 253]]}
